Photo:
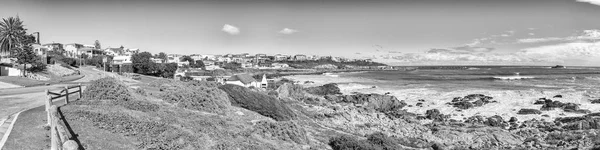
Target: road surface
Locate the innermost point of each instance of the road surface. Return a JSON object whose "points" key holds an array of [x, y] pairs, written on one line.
{"points": [[16, 99]]}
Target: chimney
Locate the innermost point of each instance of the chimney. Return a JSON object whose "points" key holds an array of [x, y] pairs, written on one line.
{"points": [[38, 38]]}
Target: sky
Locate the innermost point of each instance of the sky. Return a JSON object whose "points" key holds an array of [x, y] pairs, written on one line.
{"points": [[396, 32]]}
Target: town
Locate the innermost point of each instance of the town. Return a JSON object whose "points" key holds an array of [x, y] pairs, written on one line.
{"points": [[203, 67]]}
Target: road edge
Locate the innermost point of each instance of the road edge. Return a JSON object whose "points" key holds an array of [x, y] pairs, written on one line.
{"points": [[10, 127]]}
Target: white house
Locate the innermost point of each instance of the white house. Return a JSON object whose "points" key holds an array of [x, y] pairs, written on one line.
{"points": [[122, 60], [244, 80], [72, 49]]}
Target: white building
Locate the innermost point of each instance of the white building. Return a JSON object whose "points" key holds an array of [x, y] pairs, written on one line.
{"points": [[118, 60], [244, 80], [72, 49]]}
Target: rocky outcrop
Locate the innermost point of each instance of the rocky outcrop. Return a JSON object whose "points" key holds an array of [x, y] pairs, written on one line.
{"points": [[596, 101], [590, 121], [436, 115], [381, 103], [567, 107], [470, 101], [529, 111]]}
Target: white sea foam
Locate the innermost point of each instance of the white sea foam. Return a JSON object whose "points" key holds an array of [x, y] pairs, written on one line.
{"points": [[513, 77]]}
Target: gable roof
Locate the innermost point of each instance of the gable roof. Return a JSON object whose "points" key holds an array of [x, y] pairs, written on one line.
{"points": [[244, 78]]}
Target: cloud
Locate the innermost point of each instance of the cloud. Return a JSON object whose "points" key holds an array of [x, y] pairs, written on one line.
{"points": [[590, 35], [531, 33], [539, 40], [474, 49], [595, 2], [288, 31], [231, 29], [583, 53]]}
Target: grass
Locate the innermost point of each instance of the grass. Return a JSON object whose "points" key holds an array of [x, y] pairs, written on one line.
{"points": [[22, 81], [28, 131]]}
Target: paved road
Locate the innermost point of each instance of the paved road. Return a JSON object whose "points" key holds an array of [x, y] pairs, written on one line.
{"points": [[17, 99]]}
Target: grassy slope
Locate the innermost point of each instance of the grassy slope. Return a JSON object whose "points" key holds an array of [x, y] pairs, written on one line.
{"points": [[170, 127], [21, 81]]}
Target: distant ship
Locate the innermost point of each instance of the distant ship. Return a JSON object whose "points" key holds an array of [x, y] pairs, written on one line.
{"points": [[558, 67]]}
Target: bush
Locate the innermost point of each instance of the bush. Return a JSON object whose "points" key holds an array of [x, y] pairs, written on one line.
{"points": [[258, 102], [327, 89], [195, 96], [142, 106], [285, 131], [107, 89], [375, 141]]}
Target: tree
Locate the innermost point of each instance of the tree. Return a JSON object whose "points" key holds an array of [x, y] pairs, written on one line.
{"points": [[187, 58], [198, 64], [26, 56], [142, 63], [97, 45], [162, 56], [12, 35], [232, 66]]}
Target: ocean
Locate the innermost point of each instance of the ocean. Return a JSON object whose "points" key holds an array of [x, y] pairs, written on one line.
{"points": [[483, 77]]}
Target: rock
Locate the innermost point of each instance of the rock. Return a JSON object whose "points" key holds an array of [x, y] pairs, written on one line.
{"points": [[436, 115], [596, 101], [419, 104], [526, 111], [381, 103], [580, 123], [557, 96], [470, 101], [410, 105], [579, 111], [421, 100], [513, 119], [545, 115]]}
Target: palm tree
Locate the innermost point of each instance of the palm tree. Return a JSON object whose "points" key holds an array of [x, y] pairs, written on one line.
{"points": [[12, 34]]}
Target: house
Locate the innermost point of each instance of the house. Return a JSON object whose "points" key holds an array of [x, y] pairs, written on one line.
{"points": [[91, 52], [244, 80], [57, 47], [157, 60], [113, 51], [299, 57], [264, 83], [39, 49], [279, 65], [72, 49], [119, 60], [247, 65], [280, 57]]}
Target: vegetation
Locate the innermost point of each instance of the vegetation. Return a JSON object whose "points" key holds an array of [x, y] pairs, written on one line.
{"points": [[258, 102], [195, 96], [375, 141], [15, 43], [143, 65], [107, 89], [327, 89]]}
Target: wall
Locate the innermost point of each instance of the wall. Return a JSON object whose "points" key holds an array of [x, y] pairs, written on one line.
{"points": [[8, 71]]}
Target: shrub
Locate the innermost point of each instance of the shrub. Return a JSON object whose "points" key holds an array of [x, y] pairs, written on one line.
{"points": [[195, 96], [375, 141], [258, 102], [107, 89], [286, 131], [349, 143], [142, 106]]}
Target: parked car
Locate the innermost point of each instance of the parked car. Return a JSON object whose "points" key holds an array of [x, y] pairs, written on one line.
{"points": [[136, 77]]}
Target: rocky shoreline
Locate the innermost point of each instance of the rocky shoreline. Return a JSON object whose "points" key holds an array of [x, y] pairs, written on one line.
{"points": [[365, 114]]}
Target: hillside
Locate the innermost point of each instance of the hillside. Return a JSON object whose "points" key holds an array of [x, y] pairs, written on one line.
{"points": [[168, 114]]}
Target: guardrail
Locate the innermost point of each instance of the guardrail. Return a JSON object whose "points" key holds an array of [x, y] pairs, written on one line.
{"points": [[60, 139]]}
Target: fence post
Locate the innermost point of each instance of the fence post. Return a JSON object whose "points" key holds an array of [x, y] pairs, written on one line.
{"points": [[80, 96], [48, 103], [67, 93], [53, 134]]}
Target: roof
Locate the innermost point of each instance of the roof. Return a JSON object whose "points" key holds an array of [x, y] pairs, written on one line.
{"points": [[52, 44], [244, 78], [87, 49], [74, 44]]}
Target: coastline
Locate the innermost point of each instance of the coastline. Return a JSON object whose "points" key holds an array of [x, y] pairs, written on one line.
{"points": [[509, 102]]}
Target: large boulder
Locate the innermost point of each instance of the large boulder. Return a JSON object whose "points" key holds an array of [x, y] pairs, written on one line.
{"points": [[381, 103]]}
